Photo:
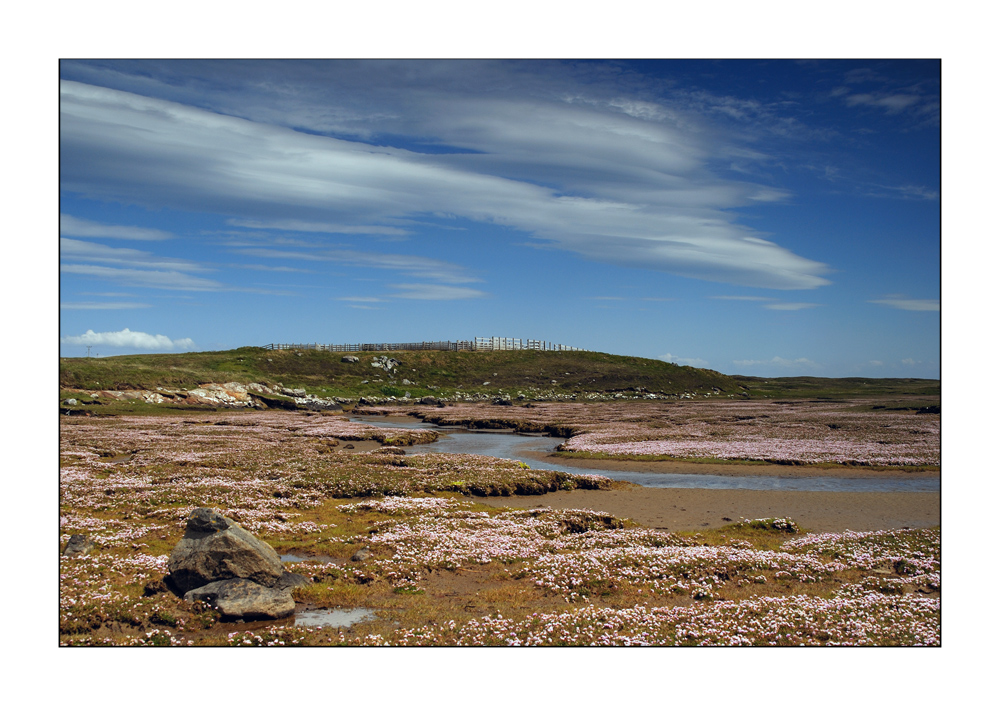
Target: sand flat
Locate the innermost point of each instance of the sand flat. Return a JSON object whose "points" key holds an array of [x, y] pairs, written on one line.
{"points": [[689, 509]]}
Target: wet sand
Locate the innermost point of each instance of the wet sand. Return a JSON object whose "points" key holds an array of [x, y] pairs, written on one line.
{"points": [[687, 509]]}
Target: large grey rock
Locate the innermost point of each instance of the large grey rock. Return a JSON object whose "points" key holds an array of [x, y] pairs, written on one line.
{"points": [[349, 359], [240, 599], [215, 548]]}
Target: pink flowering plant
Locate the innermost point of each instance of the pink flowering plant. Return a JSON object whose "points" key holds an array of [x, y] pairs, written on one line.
{"points": [[441, 568]]}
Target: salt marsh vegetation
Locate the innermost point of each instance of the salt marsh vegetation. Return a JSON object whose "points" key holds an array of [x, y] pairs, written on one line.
{"points": [[859, 433], [441, 568]]}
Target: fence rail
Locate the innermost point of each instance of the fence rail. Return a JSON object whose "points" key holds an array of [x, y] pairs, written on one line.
{"points": [[493, 343]]}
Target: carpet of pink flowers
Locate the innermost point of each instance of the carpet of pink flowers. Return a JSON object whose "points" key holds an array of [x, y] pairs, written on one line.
{"points": [[129, 483], [788, 432]]}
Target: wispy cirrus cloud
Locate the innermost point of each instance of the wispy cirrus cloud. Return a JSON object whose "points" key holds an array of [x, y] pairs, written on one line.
{"points": [[70, 249], [790, 306], [412, 265], [306, 227], [81, 228], [737, 298], [900, 301], [435, 292], [768, 302], [633, 187], [157, 279], [129, 339], [103, 305]]}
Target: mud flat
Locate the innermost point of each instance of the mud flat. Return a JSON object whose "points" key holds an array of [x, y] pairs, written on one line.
{"points": [[691, 509]]}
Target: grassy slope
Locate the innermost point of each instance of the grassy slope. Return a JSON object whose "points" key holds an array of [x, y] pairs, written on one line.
{"points": [[324, 374], [441, 373]]}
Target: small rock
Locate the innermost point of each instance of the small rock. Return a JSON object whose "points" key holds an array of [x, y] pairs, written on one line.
{"points": [[70, 401], [290, 580], [349, 359], [78, 544], [361, 554]]}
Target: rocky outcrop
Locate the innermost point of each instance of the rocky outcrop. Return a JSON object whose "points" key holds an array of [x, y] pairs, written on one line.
{"points": [[219, 562], [349, 359], [385, 363]]}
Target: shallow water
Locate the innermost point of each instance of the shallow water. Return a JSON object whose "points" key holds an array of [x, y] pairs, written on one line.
{"points": [[505, 444], [332, 617]]}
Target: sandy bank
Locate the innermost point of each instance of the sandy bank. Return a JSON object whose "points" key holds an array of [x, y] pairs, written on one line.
{"points": [[685, 509]]}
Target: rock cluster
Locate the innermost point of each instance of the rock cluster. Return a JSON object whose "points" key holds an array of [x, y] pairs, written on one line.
{"points": [[222, 564], [228, 394], [385, 363]]}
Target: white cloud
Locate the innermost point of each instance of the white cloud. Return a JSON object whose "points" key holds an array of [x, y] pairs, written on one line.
{"points": [[694, 362], [435, 292], [634, 189], [102, 305], [909, 361], [876, 363], [361, 299], [907, 304], [128, 339], [70, 225]]}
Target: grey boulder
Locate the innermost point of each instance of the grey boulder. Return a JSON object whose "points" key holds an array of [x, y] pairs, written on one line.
{"points": [[214, 548], [240, 599], [78, 544]]}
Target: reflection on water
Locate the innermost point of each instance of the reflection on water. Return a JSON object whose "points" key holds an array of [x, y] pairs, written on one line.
{"points": [[516, 446], [332, 617]]}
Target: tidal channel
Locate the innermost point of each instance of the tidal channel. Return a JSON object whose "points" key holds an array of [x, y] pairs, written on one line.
{"points": [[514, 446]]}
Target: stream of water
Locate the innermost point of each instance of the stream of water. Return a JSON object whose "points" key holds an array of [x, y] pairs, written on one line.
{"points": [[501, 444]]}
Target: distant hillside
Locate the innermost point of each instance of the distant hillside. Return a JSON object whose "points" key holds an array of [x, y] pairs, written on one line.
{"points": [[534, 374], [455, 376], [836, 387]]}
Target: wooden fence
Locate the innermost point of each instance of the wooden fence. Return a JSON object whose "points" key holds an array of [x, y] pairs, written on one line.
{"points": [[493, 343]]}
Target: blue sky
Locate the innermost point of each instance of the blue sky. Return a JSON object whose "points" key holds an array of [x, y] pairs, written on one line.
{"points": [[754, 217]]}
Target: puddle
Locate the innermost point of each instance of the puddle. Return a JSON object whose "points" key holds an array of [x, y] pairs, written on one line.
{"points": [[332, 617]]}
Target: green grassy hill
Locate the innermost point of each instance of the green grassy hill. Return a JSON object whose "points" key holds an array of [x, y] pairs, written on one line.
{"points": [[438, 373], [450, 374]]}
